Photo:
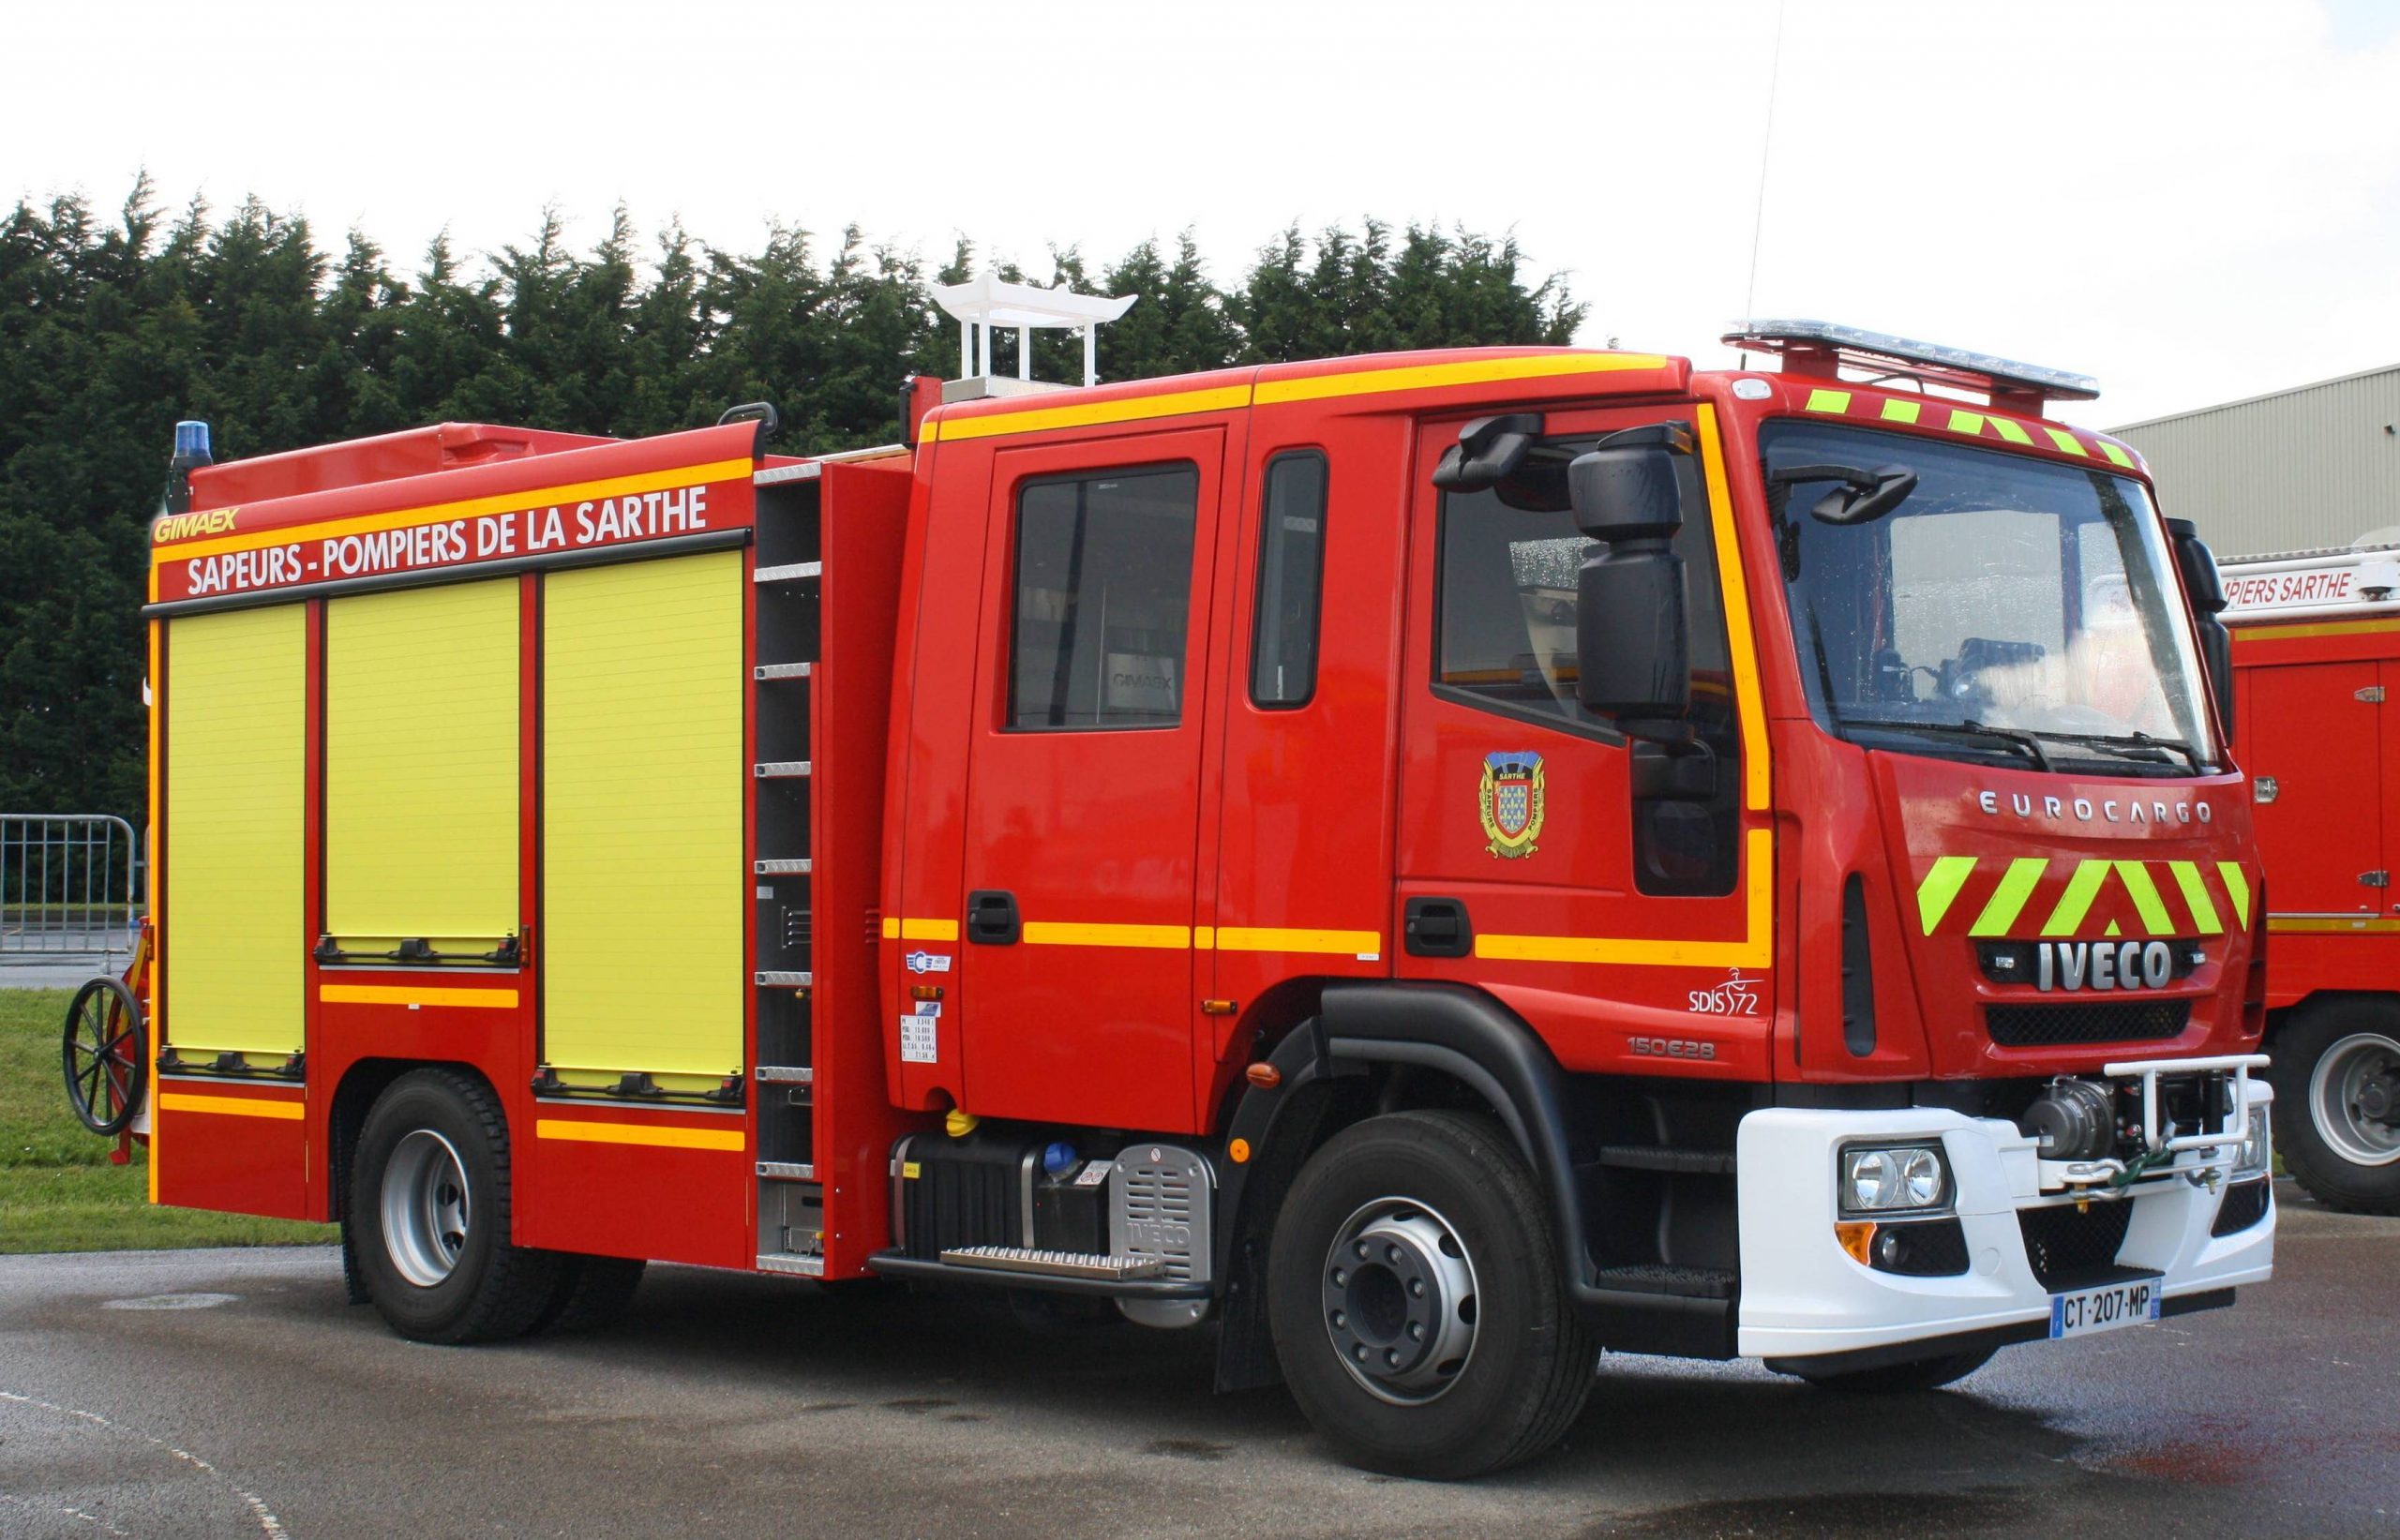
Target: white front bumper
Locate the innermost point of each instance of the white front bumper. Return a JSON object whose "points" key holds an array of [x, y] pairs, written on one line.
{"points": [[1802, 1294]]}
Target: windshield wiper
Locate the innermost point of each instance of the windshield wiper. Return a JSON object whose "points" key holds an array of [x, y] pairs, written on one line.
{"points": [[2135, 745], [2030, 745]]}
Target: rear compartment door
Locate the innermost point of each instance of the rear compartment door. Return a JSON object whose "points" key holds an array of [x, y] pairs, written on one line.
{"points": [[1083, 797], [2315, 730]]}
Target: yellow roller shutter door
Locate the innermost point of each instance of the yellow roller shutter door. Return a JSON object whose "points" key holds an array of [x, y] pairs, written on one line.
{"points": [[236, 725], [642, 786], [421, 767]]}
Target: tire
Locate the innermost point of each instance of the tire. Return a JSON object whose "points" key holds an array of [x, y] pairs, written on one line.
{"points": [[1491, 1366], [430, 1202], [102, 1053], [2327, 1054], [592, 1292], [1901, 1379]]}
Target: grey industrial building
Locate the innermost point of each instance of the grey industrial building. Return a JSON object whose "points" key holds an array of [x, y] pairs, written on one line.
{"points": [[2311, 468]]}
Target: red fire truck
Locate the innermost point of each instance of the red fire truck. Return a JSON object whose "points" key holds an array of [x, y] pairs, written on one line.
{"points": [[1436, 865], [2314, 634]]}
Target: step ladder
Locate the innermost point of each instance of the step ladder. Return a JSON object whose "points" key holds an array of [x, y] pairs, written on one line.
{"points": [[788, 572]]}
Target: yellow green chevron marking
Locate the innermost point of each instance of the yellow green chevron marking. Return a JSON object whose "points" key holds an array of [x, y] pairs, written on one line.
{"points": [[2073, 904], [1940, 889], [2008, 898], [2237, 888], [2136, 877], [2012, 431], [1835, 401], [2117, 454], [2067, 440], [1966, 422], [1897, 410], [2196, 897]]}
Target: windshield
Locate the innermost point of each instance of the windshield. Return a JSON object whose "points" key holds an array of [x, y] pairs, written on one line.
{"points": [[2006, 606]]}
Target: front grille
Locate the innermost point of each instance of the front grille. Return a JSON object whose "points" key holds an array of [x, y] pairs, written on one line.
{"points": [[2072, 1249], [2244, 1205], [2083, 1022]]}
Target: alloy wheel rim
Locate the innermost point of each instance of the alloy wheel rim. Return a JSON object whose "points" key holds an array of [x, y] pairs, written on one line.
{"points": [[1398, 1297], [424, 1208], [2342, 1078]]}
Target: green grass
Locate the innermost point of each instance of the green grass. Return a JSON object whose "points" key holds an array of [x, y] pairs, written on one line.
{"points": [[57, 1190]]}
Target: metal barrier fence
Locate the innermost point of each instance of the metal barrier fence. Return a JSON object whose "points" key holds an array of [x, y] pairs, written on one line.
{"points": [[70, 887]]}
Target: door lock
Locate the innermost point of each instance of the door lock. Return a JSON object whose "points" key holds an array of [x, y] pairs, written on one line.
{"points": [[1437, 927]]}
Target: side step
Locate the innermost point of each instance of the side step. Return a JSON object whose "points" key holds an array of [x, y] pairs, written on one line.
{"points": [[1661, 1158], [1653, 1277], [1026, 1259], [1056, 1272]]}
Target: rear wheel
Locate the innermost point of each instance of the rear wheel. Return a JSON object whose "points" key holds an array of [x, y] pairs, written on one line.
{"points": [[2337, 1103], [1415, 1291], [1899, 1379], [430, 1204]]}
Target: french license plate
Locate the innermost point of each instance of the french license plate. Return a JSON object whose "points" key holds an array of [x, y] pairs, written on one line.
{"points": [[2104, 1309]]}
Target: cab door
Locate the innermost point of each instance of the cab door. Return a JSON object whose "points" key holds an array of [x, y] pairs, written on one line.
{"points": [[1075, 940], [1612, 896]]}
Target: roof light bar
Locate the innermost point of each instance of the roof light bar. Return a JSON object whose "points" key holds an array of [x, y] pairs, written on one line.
{"points": [[1822, 348]]}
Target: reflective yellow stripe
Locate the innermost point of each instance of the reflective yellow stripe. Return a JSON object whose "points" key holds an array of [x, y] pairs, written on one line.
{"points": [[2330, 924], [1897, 410], [2242, 632], [1835, 401], [1053, 933], [639, 1133], [1273, 938], [1940, 889], [2012, 431], [1436, 376], [928, 929], [2008, 898], [2136, 877], [2081, 888], [411, 994], [891, 927], [2116, 451], [1755, 950], [587, 491], [1966, 422], [2237, 888], [233, 1106], [1179, 403], [1740, 642], [2067, 440], [2196, 897]]}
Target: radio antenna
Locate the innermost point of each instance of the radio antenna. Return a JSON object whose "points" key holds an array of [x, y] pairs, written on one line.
{"points": [[1766, 149]]}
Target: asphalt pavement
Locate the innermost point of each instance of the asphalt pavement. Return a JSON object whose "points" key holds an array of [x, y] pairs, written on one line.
{"points": [[234, 1393]]}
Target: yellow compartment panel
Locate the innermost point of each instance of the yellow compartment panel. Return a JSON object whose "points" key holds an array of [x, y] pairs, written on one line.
{"points": [[642, 783], [421, 740], [236, 937]]}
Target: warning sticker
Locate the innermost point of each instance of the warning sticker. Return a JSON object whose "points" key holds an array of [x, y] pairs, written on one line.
{"points": [[920, 1040]]}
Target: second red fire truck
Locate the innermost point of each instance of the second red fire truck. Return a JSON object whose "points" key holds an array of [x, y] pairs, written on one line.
{"points": [[1437, 865]]}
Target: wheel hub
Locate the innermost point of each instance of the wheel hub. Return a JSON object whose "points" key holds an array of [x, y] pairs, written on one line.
{"points": [[2354, 1099], [424, 1208], [1398, 1299]]}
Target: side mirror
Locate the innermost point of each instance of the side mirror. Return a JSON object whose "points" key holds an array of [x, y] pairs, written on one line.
{"points": [[2205, 586], [1633, 635], [1489, 450]]}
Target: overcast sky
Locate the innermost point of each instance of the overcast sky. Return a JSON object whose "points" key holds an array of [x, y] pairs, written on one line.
{"points": [[2191, 200]]}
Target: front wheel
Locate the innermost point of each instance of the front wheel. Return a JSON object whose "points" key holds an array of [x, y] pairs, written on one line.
{"points": [[1415, 1296], [430, 1204], [2337, 1103]]}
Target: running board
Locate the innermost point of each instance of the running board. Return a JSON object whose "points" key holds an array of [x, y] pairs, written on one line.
{"points": [[1078, 1272]]}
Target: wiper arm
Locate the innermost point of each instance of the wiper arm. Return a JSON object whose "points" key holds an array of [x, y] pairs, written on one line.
{"points": [[2030, 745], [2135, 746]]}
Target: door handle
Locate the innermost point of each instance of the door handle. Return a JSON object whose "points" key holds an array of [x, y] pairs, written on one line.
{"points": [[1437, 927], [992, 918]]}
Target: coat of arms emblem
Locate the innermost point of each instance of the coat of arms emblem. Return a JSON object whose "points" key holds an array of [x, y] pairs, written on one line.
{"points": [[1510, 803]]}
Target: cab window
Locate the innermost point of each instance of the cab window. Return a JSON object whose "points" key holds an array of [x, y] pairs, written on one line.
{"points": [[1102, 599]]}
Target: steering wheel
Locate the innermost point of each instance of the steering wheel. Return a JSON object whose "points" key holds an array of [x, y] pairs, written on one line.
{"points": [[101, 1054]]}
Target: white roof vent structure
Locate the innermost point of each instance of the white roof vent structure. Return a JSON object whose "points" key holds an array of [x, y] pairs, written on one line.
{"points": [[982, 303]]}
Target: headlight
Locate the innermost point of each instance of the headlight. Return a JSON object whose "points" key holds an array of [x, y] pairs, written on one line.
{"points": [[2258, 1147], [1892, 1178]]}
